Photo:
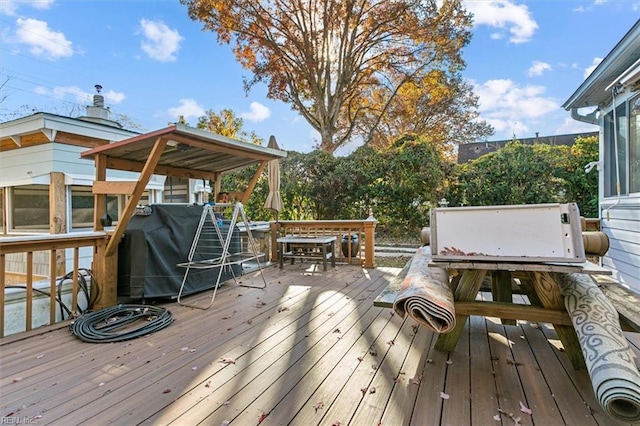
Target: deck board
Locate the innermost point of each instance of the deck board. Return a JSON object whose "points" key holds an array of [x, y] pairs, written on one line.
{"points": [[308, 350]]}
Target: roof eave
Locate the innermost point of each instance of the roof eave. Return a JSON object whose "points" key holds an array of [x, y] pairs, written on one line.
{"points": [[611, 67]]}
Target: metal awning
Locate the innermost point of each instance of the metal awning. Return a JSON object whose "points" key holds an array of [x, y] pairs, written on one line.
{"points": [[188, 153]]}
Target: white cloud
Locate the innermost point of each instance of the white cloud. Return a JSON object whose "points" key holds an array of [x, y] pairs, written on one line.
{"points": [[504, 15], [160, 42], [257, 114], [511, 108], [569, 125], [188, 108], [79, 95], [113, 98], [538, 68], [10, 7], [41, 40], [596, 61]]}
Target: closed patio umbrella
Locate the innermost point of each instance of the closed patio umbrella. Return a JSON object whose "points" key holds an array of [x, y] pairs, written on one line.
{"points": [[274, 200]]}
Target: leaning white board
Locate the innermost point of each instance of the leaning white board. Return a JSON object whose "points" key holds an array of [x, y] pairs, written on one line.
{"points": [[524, 233]]}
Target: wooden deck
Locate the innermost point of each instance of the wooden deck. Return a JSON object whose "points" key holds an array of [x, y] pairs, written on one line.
{"points": [[310, 349]]}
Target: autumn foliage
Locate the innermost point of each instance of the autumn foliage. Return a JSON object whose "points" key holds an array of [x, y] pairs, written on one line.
{"points": [[369, 70]]}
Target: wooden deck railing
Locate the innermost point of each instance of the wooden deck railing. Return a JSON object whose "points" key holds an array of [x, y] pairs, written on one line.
{"points": [[363, 229], [33, 246]]}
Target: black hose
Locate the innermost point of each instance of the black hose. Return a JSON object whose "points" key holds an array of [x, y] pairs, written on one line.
{"points": [[114, 324]]}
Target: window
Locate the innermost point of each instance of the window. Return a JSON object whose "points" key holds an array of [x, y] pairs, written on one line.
{"points": [[176, 190], [615, 136], [30, 208], [634, 144], [82, 206]]}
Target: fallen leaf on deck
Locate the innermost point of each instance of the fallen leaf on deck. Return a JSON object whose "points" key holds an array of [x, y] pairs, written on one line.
{"points": [[228, 316], [337, 330], [262, 417], [16, 379], [225, 423], [444, 395], [360, 358], [496, 417], [373, 352], [208, 384], [415, 380], [194, 368], [282, 309], [166, 391], [363, 390], [228, 361], [391, 342], [524, 408], [249, 322], [429, 361], [227, 403], [318, 406], [449, 362], [372, 390]]}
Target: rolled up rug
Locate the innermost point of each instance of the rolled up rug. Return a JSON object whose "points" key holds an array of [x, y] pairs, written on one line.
{"points": [[610, 361], [425, 294]]}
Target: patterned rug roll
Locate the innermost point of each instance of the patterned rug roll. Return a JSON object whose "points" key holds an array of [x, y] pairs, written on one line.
{"points": [[610, 361], [425, 295]]}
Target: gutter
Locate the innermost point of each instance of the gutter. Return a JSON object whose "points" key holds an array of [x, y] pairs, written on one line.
{"points": [[591, 118]]}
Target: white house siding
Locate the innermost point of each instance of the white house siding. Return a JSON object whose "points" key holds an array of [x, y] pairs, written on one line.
{"points": [[621, 223]]}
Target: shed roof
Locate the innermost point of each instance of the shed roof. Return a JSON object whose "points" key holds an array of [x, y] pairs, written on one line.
{"points": [[189, 153]]}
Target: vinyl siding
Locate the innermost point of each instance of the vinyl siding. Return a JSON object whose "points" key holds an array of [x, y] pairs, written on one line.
{"points": [[621, 223]]}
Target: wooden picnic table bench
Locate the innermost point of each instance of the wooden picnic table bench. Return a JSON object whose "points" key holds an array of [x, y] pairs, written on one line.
{"points": [[538, 281]]}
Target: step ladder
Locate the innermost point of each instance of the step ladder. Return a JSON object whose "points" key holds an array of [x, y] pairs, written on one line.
{"points": [[210, 249]]}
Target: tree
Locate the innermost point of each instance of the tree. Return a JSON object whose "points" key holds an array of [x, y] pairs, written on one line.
{"points": [[515, 174], [339, 62], [582, 187], [440, 106], [225, 123]]}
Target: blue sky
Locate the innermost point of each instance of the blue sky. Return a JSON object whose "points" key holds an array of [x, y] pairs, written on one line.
{"points": [[525, 59]]}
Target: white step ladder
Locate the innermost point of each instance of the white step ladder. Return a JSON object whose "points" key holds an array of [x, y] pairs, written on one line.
{"points": [[210, 248]]}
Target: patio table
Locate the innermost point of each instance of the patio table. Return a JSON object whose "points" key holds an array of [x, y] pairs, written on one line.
{"points": [[318, 248]]}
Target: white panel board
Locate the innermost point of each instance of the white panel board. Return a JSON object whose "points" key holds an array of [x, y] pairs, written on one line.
{"points": [[529, 233]]}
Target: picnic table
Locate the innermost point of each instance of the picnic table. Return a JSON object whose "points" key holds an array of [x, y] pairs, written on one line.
{"points": [[538, 281]]}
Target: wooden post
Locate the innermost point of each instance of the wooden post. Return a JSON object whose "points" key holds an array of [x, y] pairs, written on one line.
{"points": [[275, 233], [370, 241], [58, 216], [108, 289], [105, 271]]}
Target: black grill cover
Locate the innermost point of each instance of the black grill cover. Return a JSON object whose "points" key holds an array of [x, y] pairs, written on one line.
{"points": [[154, 245]]}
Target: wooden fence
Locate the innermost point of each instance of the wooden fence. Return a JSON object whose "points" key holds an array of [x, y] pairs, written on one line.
{"points": [[32, 249]]}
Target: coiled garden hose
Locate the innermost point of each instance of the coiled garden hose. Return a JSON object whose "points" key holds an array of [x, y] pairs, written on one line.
{"points": [[117, 323]]}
